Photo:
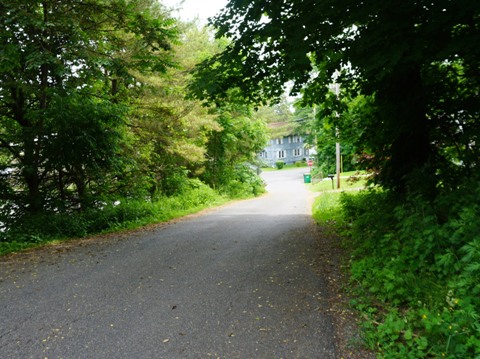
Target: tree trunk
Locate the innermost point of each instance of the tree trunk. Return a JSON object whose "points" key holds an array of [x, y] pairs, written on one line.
{"points": [[31, 174], [403, 108]]}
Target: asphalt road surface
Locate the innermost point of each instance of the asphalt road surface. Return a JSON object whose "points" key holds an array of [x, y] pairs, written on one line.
{"points": [[236, 282]]}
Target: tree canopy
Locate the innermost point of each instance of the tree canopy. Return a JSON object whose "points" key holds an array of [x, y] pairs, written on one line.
{"points": [[418, 60], [93, 107], [65, 70]]}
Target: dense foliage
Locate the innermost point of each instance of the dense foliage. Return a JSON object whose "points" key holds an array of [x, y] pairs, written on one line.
{"points": [[64, 85], [323, 128], [240, 139], [416, 267], [417, 61], [93, 113]]}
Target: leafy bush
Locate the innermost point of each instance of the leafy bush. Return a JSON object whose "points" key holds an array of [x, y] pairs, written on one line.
{"points": [[175, 182], [419, 263], [279, 164], [244, 183]]}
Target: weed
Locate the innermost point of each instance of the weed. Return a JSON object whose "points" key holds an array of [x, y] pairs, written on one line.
{"points": [[417, 264], [327, 209]]}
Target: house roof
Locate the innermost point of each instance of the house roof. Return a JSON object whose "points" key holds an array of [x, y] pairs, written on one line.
{"points": [[277, 124], [282, 129]]}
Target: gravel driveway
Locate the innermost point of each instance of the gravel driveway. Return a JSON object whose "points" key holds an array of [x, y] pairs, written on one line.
{"points": [[235, 282]]}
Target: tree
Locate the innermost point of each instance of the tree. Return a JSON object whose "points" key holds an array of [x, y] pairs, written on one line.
{"points": [[410, 56], [241, 136], [82, 152], [279, 113], [173, 130], [77, 59]]}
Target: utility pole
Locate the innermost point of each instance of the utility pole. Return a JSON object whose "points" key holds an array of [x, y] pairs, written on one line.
{"points": [[337, 145], [338, 166]]}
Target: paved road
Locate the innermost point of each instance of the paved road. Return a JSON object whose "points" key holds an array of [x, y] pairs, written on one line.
{"points": [[237, 282]]}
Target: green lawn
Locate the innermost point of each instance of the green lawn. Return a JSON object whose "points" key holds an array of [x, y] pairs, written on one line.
{"points": [[326, 207], [348, 181]]}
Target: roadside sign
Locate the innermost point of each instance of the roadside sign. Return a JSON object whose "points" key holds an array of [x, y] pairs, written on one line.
{"points": [[310, 163]]}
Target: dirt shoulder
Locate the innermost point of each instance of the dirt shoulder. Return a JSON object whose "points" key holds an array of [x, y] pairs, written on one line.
{"points": [[331, 265]]}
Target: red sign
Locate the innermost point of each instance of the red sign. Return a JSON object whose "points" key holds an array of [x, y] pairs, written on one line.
{"points": [[310, 163]]}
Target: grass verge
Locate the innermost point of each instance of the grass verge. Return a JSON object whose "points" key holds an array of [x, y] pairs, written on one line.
{"points": [[327, 209], [334, 263], [121, 215]]}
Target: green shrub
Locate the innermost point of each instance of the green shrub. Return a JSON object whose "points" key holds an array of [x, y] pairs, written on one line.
{"points": [[419, 263], [176, 181], [279, 164], [243, 183]]}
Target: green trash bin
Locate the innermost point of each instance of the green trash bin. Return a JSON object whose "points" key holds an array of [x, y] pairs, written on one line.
{"points": [[307, 178]]}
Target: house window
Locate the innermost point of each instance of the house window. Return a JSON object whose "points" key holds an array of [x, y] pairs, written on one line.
{"points": [[263, 154], [281, 154], [297, 152], [279, 141], [289, 139]]}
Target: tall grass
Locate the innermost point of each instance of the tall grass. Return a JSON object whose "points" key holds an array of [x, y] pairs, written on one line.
{"points": [[327, 209], [122, 214]]}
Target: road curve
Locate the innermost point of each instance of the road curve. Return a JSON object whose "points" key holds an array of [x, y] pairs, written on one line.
{"points": [[236, 282]]}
